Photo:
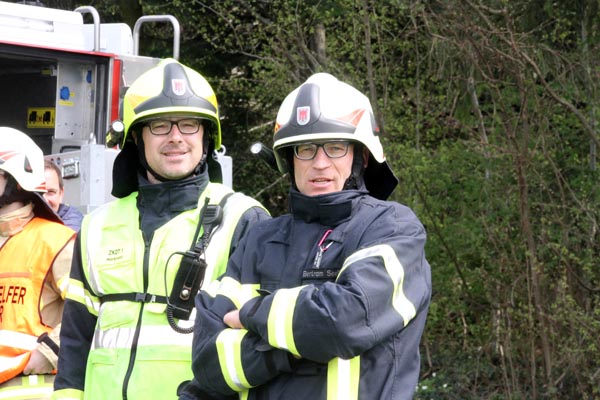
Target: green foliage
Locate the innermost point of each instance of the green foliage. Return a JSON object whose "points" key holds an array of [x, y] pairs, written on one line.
{"points": [[488, 110]]}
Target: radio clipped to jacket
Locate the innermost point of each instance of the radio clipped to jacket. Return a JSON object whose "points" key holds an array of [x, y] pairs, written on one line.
{"points": [[187, 283], [192, 267]]}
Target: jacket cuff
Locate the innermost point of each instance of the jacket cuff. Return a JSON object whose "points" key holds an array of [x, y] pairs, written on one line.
{"points": [[48, 348]]}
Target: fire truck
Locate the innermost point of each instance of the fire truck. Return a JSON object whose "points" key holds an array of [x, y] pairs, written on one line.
{"points": [[62, 81]]}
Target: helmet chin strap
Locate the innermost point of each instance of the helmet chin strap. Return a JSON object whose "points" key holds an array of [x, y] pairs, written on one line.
{"points": [[356, 179], [12, 193]]}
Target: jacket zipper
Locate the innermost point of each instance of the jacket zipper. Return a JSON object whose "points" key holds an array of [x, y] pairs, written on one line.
{"points": [[138, 326]]}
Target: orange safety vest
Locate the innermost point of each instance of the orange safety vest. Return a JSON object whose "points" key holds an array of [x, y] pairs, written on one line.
{"points": [[25, 260]]}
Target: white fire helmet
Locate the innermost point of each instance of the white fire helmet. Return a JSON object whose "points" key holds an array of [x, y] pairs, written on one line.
{"points": [[324, 108], [23, 159]]}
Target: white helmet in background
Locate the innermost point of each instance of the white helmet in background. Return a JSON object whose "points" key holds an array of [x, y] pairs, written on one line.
{"points": [[23, 159], [324, 108]]}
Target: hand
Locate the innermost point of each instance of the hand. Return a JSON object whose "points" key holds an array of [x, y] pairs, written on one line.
{"points": [[38, 364], [232, 319]]}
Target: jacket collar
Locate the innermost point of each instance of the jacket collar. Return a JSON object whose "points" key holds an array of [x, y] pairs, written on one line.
{"points": [[160, 202], [328, 209]]}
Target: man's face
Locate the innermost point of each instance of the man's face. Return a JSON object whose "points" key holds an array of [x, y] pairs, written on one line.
{"points": [[54, 194], [323, 174], [173, 155]]}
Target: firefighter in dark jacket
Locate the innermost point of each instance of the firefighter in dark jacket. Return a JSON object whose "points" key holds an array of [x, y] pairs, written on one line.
{"points": [[329, 301]]}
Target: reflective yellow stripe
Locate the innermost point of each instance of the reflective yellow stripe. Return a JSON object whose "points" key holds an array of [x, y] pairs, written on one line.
{"points": [[76, 292], [229, 350], [280, 319], [244, 395], [343, 377], [28, 387], [28, 380], [40, 392], [67, 394], [236, 292], [395, 270], [63, 284], [235, 206], [91, 236]]}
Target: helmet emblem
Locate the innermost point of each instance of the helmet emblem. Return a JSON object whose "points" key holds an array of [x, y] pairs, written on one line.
{"points": [[178, 86], [303, 115]]}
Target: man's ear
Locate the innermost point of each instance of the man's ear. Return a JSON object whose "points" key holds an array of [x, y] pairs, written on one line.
{"points": [[365, 156]]}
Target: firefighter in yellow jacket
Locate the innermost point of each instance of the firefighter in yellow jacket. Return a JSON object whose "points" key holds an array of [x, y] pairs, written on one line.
{"points": [[35, 258], [128, 317]]}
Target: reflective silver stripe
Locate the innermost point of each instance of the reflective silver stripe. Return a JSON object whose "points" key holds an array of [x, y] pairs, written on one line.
{"points": [[343, 377], [11, 362], [17, 340], [239, 294], [395, 270], [119, 338], [230, 358], [220, 235], [212, 289], [63, 284], [235, 206], [92, 235], [280, 320]]}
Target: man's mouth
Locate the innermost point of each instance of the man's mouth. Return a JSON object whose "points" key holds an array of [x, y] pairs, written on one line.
{"points": [[320, 180], [173, 153]]}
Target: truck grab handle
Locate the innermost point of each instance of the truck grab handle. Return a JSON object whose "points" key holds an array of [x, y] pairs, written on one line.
{"points": [[157, 18], [96, 17]]}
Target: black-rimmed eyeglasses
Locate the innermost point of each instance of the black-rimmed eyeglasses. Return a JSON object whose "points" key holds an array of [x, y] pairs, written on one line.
{"points": [[187, 126], [308, 151]]}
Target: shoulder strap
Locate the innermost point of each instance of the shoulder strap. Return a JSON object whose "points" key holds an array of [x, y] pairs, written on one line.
{"points": [[137, 297], [211, 217]]}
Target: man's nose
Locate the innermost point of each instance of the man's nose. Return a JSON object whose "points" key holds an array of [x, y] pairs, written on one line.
{"points": [[175, 133], [321, 159]]}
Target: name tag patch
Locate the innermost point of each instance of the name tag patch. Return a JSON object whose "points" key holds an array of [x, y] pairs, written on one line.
{"points": [[320, 273]]}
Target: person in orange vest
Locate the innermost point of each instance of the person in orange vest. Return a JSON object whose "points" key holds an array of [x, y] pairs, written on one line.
{"points": [[35, 259]]}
